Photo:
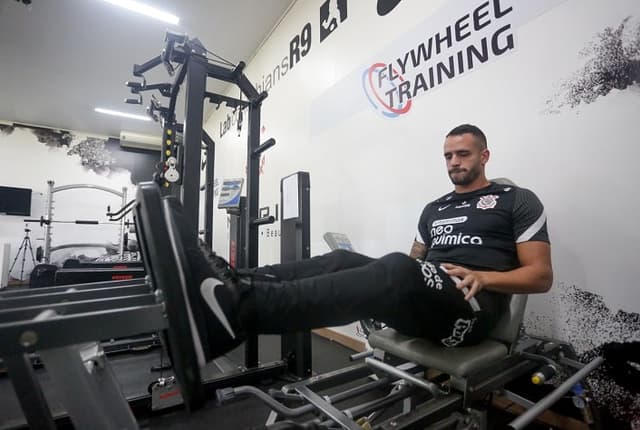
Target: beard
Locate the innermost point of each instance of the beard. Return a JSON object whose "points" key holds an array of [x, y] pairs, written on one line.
{"points": [[463, 176]]}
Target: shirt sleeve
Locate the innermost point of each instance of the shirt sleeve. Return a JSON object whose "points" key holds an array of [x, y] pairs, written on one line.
{"points": [[529, 217], [422, 234]]}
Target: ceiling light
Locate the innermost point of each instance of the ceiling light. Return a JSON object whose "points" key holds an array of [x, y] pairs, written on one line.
{"points": [[124, 114], [144, 9]]}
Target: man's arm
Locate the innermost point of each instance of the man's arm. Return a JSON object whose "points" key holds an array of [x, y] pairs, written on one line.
{"points": [[418, 250], [534, 275]]}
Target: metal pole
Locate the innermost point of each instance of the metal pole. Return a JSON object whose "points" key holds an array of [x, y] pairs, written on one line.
{"points": [[253, 185], [124, 203], [539, 407], [29, 392], [86, 186], [192, 143], [209, 181], [413, 380], [48, 227], [253, 203]]}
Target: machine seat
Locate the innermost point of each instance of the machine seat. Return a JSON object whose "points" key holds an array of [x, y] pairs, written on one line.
{"points": [[459, 361]]}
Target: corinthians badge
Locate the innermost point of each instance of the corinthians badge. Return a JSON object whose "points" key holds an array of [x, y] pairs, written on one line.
{"points": [[487, 202]]}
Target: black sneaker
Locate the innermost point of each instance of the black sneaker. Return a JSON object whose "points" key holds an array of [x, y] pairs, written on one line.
{"points": [[223, 297], [214, 292]]}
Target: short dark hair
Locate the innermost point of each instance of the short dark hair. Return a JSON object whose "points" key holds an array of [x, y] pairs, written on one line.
{"points": [[471, 129]]}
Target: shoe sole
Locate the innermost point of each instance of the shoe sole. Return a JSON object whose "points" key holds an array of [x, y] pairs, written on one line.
{"points": [[195, 332]]}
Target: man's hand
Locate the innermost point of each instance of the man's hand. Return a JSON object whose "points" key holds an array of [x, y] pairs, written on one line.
{"points": [[474, 281], [534, 275]]}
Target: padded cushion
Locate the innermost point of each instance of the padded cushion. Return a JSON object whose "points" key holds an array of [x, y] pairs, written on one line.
{"points": [[162, 253], [508, 326], [458, 361]]}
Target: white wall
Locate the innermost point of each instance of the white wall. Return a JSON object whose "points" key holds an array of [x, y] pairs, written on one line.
{"points": [[371, 175], [30, 164]]}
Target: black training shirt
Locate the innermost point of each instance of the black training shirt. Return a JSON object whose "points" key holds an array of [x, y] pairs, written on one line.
{"points": [[480, 229]]}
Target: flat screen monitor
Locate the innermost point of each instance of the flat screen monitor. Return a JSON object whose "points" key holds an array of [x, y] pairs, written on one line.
{"points": [[15, 201]]}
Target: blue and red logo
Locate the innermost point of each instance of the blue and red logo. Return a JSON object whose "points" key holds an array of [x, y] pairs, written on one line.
{"points": [[381, 90]]}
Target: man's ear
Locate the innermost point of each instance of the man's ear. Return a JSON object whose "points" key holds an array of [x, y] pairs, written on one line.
{"points": [[484, 156]]}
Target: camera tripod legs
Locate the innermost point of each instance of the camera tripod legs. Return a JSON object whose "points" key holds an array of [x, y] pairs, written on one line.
{"points": [[24, 246]]}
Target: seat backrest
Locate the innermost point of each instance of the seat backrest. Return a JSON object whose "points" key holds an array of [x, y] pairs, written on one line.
{"points": [[503, 181], [508, 326]]}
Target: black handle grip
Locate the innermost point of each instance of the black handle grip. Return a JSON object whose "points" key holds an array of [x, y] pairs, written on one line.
{"points": [[264, 220]]}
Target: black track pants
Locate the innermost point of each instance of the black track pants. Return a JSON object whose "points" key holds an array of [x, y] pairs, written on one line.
{"points": [[342, 287]]}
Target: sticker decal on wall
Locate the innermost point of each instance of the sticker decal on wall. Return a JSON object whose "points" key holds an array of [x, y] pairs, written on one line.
{"points": [[52, 138], [6, 129], [450, 44], [483, 33], [386, 6], [612, 63], [332, 13], [93, 154], [103, 156]]}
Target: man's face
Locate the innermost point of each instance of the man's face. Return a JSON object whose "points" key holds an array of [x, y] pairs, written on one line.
{"points": [[465, 158]]}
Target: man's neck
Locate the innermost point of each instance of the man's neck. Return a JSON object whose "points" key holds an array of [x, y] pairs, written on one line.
{"points": [[474, 186]]}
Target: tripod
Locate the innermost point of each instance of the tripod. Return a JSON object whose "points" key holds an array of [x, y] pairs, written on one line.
{"points": [[26, 244]]}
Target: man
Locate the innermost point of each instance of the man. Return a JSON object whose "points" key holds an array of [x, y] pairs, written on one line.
{"points": [[474, 246]]}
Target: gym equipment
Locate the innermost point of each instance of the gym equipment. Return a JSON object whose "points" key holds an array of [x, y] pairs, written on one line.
{"points": [[294, 245], [440, 387], [456, 396], [91, 395], [63, 325], [38, 322], [48, 221], [236, 206], [210, 151], [337, 241], [74, 263], [74, 271], [24, 246], [44, 221], [45, 274], [67, 276], [179, 169], [187, 59], [159, 231], [57, 321], [295, 238]]}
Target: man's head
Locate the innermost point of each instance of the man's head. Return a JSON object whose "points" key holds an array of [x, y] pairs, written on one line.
{"points": [[466, 153]]}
